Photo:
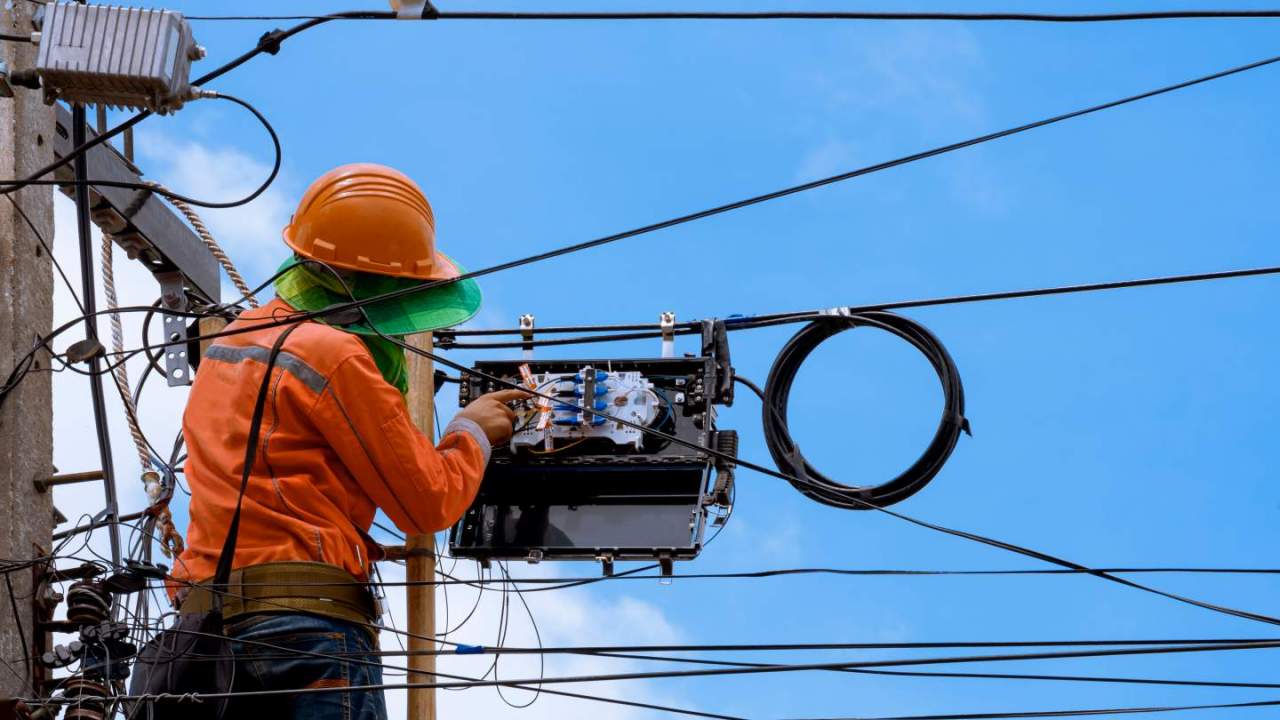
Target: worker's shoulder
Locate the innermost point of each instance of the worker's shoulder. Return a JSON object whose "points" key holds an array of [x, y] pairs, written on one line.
{"points": [[321, 347]]}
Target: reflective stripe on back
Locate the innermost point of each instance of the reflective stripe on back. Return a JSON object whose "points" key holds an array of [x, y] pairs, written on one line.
{"points": [[288, 362]]}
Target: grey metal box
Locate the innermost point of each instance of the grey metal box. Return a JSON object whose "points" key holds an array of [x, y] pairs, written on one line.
{"points": [[117, 56]]}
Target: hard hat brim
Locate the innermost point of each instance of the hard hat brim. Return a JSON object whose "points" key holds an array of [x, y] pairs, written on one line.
{"points": [[418, 312]]}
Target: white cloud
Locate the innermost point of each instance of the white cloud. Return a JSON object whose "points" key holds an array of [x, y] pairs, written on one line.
{"points": [[251, 233]]}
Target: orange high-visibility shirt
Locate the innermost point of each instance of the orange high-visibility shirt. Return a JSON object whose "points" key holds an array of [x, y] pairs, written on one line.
{"points": [[336, 443]]}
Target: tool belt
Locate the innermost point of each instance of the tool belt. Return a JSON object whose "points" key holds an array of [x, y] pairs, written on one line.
{"points": [[307, 587]]}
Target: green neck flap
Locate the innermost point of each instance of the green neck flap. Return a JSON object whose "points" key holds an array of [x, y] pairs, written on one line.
{"points": [[307, 288]]}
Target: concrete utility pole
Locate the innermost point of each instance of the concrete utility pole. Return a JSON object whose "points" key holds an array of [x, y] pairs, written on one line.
{"points": [[421, 563], [26, 312]]}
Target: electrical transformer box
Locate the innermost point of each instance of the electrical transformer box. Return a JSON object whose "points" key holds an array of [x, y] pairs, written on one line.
{"points": [[582, 485], [126, 57]]}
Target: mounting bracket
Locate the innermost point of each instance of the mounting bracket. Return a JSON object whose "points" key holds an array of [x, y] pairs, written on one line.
{"points": [[177, 366], [526, 335], [667, 321]]}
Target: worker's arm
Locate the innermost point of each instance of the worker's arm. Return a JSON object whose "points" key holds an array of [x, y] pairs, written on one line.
{"points": [[420, 487]]}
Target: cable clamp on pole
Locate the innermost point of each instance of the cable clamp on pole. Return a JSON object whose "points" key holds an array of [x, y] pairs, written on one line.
{"points": [[667, 321], [526, 335]]}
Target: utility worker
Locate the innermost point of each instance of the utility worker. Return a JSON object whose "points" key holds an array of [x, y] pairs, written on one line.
{"points": [[336, 443]]}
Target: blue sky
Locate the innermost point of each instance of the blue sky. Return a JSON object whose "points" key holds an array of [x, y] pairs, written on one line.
{"points": [[1126, 428]]}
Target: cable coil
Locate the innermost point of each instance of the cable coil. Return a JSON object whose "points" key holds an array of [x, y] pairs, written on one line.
{"points": [[786, 453]]}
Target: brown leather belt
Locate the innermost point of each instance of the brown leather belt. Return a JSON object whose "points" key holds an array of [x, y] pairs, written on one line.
{"points": [[308, 587]]}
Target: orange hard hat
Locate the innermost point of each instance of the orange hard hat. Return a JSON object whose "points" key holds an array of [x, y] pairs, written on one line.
{"points": [[370, 218]]}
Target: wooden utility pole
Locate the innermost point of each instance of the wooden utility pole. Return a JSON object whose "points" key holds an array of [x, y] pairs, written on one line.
{"points": [[421, 563], [26, 313]]}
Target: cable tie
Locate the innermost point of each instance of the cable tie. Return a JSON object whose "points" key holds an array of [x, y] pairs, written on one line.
{"points": [[270, 41], [469, 650], [961, 421], [836, 311]]}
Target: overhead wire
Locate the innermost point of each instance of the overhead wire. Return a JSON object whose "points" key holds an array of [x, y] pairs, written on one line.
{"points": [[736, 323], [558, 583], [96, 396], [202, 231], [269, 43], [1080, 569], [734, 670], [48, 251], [1188, 14], [831, 497], [1182, 647], [1094, 712], [784, 192], [761, 321], [171, 195], [838, 499]]}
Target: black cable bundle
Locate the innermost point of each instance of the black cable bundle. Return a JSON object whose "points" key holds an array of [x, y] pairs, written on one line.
{"points": [[786, 454]]}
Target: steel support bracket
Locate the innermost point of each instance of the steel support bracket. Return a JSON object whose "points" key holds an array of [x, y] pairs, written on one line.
{"points": [[177, 365]]}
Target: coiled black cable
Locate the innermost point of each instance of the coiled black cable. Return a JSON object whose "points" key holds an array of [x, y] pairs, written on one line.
{"points": [[786, 453]]}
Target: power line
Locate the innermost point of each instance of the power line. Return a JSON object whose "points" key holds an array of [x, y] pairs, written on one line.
{"points": [[732, 323], [838, 499], [679, 220], [796, 15], [1071, 678], [269, 43], [752, 322], [754, 200], [359, 658], [48, 250], [851, 502], [160, 190], [730, 671], [1069, 713], [560, 582], [803, 187]]}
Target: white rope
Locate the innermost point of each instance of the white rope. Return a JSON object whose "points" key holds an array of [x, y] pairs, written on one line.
{"points": [[198, 225], [120, 373]]}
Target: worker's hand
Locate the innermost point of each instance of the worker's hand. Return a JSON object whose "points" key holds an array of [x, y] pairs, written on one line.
{"points": [[493, 415]]}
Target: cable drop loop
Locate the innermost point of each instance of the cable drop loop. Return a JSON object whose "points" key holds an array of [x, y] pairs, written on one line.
{"points": [[784, 450]]}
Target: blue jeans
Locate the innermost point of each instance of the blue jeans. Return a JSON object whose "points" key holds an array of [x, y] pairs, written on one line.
{"points": [[264, 662]]}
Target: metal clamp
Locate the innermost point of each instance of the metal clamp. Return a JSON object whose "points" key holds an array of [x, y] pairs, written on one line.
{"points": [[667, 321], [414, 9], [526, 334], [173, 296], [606, 564], [666, 565]]}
